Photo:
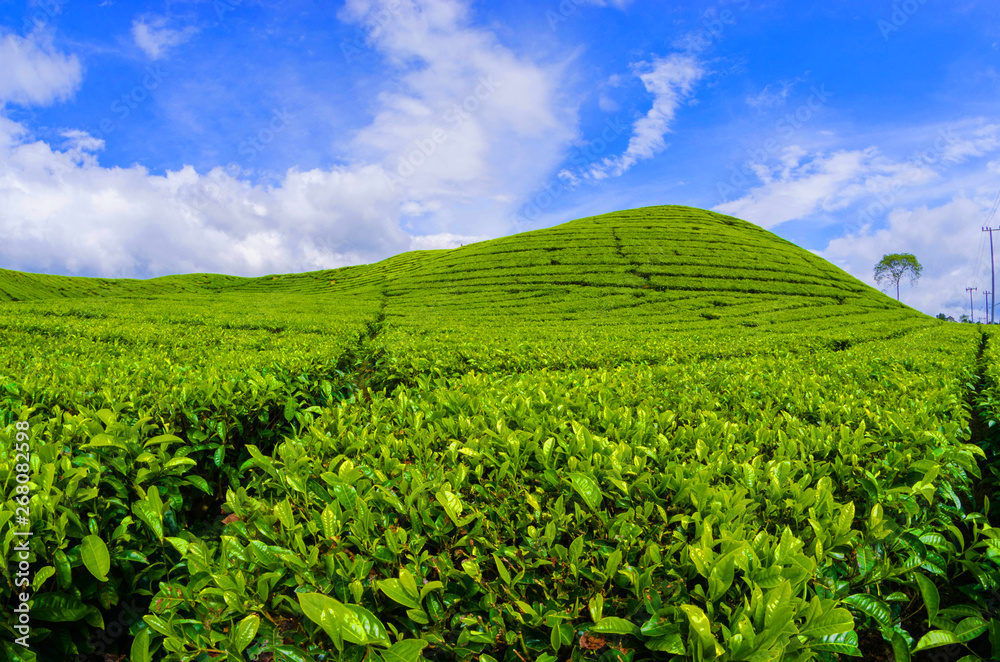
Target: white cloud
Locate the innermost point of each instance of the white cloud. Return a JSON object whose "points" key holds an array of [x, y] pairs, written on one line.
{"points": [[61, 211], [670, 80], [944, 238], [443, 240], [607, 104], [981, 140], [770, 98], [34, 72], [81, 141], [928, 205], [154, 37], [457, 120], [799, 186]]}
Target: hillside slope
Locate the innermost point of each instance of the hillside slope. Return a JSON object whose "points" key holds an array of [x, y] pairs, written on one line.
{"points": [[661, 265]]}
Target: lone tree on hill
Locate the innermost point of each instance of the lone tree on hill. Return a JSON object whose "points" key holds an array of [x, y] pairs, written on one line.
{"points": [[891, 269]]}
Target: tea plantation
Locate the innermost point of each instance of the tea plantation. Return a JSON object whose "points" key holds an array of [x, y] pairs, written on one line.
{"points": [[660, 434]]}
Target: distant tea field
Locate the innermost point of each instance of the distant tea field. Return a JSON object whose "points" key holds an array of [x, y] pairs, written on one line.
{"points": [[656, 434]]}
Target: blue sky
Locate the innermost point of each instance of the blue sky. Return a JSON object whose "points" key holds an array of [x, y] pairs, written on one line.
{"points": [[250, 137]]}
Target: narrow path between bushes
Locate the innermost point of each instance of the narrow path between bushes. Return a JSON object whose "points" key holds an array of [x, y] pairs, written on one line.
{"points": [[984, 431]]}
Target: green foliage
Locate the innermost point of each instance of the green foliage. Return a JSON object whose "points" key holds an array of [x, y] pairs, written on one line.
{"points": [[627, 452], [892, 268]]}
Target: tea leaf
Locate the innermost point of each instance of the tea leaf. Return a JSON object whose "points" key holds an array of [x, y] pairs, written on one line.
{"points": [[95, 557], [587, 489], [245, 632]]}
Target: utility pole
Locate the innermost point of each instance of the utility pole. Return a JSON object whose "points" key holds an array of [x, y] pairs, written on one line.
{"points": [[986, 310], [972, 310], [993, 278]]}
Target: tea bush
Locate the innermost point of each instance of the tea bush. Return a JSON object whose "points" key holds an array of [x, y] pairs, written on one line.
{"points": [[533, 448]]}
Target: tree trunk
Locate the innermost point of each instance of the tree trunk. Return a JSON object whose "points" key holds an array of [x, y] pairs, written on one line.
{"points": [[897, 290]]}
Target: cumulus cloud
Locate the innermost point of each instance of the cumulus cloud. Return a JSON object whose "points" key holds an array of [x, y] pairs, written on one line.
{"points": [[942, 237], [800, 183], [455, 122], [62, 211], [927, 204], [154, 38], [446, 143], [34, 72], [443, 240], [670, 80]]}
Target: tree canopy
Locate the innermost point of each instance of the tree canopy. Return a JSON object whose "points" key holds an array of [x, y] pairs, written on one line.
{"points": [[893, 267]]}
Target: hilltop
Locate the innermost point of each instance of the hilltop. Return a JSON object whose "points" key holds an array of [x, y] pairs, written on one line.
{"points": [[667, 266]]}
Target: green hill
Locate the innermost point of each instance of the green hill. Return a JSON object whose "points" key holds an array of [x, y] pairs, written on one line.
{"points": [[659, 265], [674, 260], [654, 434]]}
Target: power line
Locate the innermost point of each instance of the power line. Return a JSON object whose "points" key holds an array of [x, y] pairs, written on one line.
{"points": [[993, 271], [993, 211], [977, 269], [977, 275], [972, 308], [991, 314]]}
